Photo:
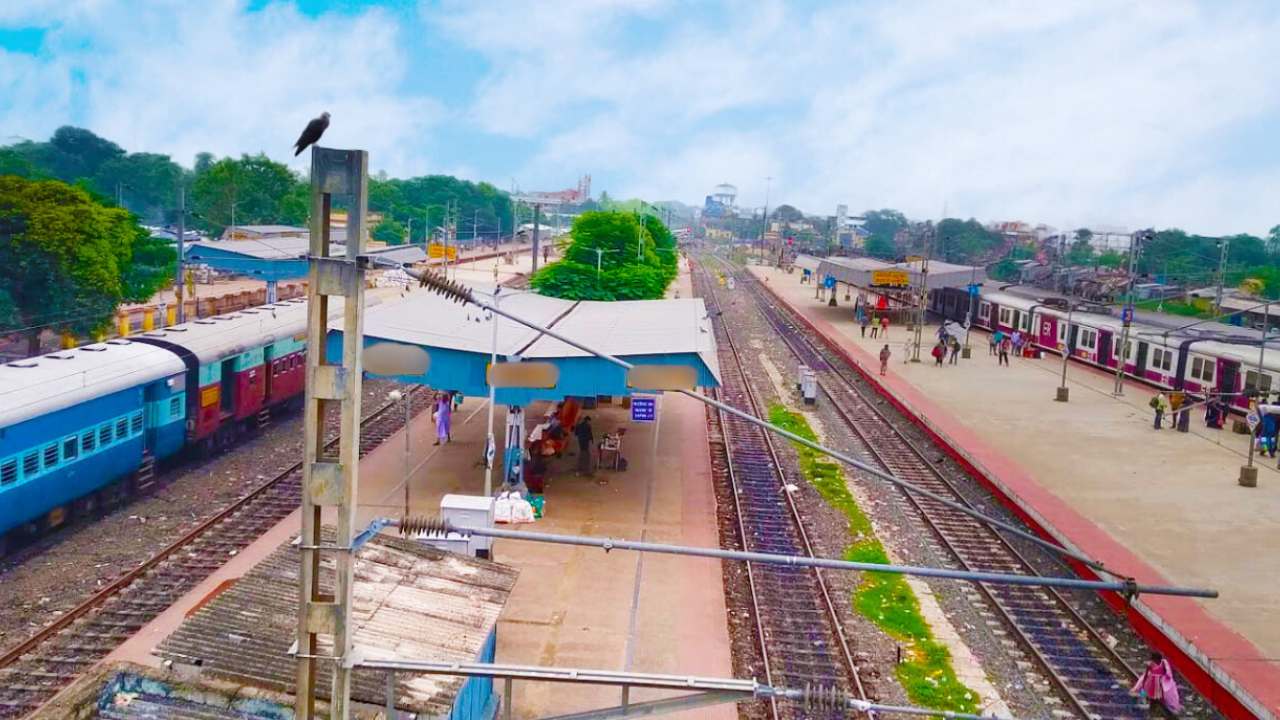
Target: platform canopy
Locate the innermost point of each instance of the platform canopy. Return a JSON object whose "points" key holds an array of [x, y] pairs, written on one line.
{"points": [[458, 340], [283, 258], [866, 272]]}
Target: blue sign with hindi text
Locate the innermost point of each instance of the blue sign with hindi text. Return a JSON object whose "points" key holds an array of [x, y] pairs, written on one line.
{"points": [[644, 409]]}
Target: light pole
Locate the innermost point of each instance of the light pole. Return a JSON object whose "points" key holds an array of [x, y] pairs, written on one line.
{"points": [[1223, 245], [764, 227], [491, 448], [1249, 473], [1135, 246], [397, 396], [1064, 393]]}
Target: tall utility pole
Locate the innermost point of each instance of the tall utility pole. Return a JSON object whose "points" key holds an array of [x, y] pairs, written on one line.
{"points": [[328, 481], [921, 296], [1223, 244], [1249, 473], [764, 227], [537, 214], [1135, 246], [179, 314]]}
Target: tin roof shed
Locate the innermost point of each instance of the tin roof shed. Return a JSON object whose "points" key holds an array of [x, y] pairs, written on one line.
{"points": [[410, 601]]}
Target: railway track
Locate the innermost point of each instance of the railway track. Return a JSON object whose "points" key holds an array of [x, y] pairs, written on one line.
{"points": [[35, 670], [799, 635], [1090, 675]]}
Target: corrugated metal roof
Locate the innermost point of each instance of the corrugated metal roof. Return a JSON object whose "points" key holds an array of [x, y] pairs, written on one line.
{"points": [[125, 691], [622, 329], [411, 601], [46, 383], [276, 248], [220, 336]]}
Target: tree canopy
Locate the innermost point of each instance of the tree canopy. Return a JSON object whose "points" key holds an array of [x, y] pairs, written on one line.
{"points": [[67, 261], [612, 255], [252, 190]]}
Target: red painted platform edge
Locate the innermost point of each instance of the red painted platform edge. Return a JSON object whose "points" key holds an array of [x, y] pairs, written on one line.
{"points": [[1207, 677]]}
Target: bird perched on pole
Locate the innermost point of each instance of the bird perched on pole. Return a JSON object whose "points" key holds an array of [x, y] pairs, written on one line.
{"points": [[312, 133]]}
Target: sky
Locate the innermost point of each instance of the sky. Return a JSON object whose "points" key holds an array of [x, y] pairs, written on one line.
{"points": [[1134, 114]]}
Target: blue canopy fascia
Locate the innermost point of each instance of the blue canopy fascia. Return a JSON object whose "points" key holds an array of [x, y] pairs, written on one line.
{"points": [[226, 261], [464, 371]]}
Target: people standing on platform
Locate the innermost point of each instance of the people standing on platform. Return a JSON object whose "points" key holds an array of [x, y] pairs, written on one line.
{"points": [[939, 353], [444, 418], [1017, 342], [955, 349], [1006, 345], [1158, 686], [1213, 412], [585, 436], [996, 337], [884, 326], [864, 322], [1159, 404], [875, 326], [1177, 399], [1269, 433], [884, 359]]}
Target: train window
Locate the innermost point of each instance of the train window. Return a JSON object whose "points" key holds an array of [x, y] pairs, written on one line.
{"points": [[31, 464], [1088, 338], [70, 448], [1161, 359], [122, 428], [135, 423], [1202, 369], [1251, 381], [984, 311], [8, 471], [1006, 316], [50, 455], [104, 435], [88, 441]]}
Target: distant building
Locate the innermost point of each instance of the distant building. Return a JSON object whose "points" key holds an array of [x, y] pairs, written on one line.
{"points": [[264, 232]]}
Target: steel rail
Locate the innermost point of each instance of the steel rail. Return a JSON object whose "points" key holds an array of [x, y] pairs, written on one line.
{"points": [[119, 585], [462, 294], [875, 448], [833, 616]]}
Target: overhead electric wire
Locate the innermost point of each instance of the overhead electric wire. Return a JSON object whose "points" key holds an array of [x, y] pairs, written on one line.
{"points": [[463, 294]]}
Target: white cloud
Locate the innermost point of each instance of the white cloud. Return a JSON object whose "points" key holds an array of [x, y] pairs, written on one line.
{"points": [[212, 77], [1081, 111]]}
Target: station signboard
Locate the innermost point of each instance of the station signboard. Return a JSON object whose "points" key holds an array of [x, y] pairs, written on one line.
{"points": [[644, 408], [890, 278], [435, 250]]}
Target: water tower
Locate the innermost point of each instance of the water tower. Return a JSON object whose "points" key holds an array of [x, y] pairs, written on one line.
{"points": [[725, 194]]}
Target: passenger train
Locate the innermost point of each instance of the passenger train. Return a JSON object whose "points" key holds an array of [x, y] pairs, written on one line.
{"points": [[85, 426], [1209, 358]]}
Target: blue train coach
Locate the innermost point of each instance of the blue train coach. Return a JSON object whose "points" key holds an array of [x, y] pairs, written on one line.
{"points": [[79, 427]]}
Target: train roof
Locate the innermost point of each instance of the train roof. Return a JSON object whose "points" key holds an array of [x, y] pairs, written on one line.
{"points": [[47, 383], [215, 338]]}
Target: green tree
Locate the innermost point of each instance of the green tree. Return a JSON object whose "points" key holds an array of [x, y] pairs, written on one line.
{"points": [[1273, 241], [389, 231], [15, 163], [881, 246], [253, 190], [67, 261], [1081, 252], [1110, 259], [612, 255], [148, 184], [786, 214], [965, 241]]}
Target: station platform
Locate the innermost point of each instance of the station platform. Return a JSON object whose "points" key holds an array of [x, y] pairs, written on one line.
{"points": [[1162, 506], [571, 606]]}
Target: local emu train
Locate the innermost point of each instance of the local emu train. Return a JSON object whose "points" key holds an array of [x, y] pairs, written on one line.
{"points": [[1210, 358], [82, 426]]}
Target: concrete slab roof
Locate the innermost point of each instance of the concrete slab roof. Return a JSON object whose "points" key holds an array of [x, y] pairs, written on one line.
{"points": [[857, 272], [410, 601], [459, 340]]}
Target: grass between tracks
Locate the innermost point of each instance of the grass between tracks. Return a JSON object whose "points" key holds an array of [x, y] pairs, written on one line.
{"points": [[885, 599]]}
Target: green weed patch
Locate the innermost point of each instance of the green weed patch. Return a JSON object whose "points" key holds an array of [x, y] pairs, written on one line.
{"points": [[885, 599]]}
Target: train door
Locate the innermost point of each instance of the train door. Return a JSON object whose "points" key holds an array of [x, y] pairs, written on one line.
{"points": [[1228, 372], [228, 385], [1140, 364], [269, 371], [1016, 324], [1048, 331], [1104, 347]]}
